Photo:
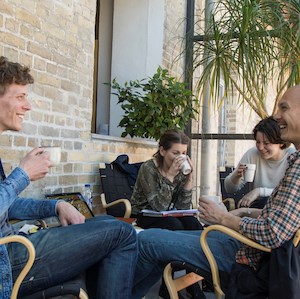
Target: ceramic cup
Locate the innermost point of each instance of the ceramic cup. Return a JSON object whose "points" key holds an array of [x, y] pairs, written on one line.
{"points": [[186, 167], [54, 154], [249, 172]]}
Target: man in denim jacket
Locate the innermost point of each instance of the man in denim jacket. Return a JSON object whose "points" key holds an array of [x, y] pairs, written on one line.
{"points": [[102, 246]]}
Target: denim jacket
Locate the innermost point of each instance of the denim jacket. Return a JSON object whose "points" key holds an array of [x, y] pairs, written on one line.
{"points": [[14, 207]]}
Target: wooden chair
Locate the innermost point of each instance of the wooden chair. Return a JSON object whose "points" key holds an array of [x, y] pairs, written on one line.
{"points": [[75, 287], [219, 294], [116, 190], [68, 288], [31, 256], [124, 201], [176, 284]]}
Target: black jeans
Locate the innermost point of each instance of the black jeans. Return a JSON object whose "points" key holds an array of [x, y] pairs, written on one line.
{"points": [[171, 223]]}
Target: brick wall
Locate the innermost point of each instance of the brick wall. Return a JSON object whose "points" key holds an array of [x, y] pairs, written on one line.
{"points": [[56, 39]]}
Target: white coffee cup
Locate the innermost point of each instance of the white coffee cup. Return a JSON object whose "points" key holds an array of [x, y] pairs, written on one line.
{"points": [[249, 172], [54, 154], [215, 198], [186, 167]]}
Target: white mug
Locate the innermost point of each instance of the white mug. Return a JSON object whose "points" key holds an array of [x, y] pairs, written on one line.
{"points": [[54, 154], [249, 172], [186, 167]]}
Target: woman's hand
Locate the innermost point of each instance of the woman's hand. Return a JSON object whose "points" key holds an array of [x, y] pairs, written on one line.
{"points": [[249, 198], [189, 177], [238, 174], [246, 212], [191, 164], [241, 212], [175, 167]]}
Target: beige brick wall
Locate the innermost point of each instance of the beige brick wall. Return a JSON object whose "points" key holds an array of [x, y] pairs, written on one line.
{"points": [[56, 39]]}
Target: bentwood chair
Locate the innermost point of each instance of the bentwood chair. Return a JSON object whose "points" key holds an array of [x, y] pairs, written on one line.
{"points": [[174, 285], [219, 294], [126, 203], [117, 190], [75, 287], [31, 255]]}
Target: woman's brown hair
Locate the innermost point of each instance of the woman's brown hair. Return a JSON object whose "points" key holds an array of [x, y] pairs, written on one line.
{"points": [[167, 140], [270, 128]]}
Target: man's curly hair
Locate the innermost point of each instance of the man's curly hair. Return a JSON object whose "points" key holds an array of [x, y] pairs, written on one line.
{"points": [[13, 72]]}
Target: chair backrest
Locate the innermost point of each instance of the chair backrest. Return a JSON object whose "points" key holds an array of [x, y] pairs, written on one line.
{"points": [[117, 180], [223, 173]]}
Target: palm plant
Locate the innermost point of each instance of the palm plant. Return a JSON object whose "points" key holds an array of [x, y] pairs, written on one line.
{"points": [[248, 44]]}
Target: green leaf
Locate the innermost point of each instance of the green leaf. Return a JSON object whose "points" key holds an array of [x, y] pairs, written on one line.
{"points": [[154, 104]]}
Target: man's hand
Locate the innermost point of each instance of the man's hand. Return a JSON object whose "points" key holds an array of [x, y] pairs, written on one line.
{"points": [[249, 198], [217, 214], [211, 211], [36, 164], [67, 214]]}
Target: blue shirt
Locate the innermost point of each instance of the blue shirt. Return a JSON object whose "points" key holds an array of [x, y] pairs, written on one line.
{"points": [[14, 207]]}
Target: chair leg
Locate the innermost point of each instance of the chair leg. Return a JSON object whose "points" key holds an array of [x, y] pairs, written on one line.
{"points": [[180, 283], [83, 294]]}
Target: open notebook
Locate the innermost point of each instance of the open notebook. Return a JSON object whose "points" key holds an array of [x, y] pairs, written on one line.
{"points": [[173, 213]]}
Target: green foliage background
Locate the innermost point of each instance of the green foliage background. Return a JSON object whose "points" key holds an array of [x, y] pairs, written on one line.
{"points": [[154, 104]]}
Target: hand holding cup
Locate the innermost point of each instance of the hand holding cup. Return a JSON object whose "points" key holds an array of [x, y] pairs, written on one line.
{"points": [[249, 172], [54, 154], [186, 166], [211, 208]]}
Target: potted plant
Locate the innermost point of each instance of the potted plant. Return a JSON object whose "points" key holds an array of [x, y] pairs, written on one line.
{"points": [[154, 104]]}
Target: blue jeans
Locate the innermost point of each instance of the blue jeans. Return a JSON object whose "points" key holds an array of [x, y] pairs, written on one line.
{"points": [[157, 247], [106, 245]]}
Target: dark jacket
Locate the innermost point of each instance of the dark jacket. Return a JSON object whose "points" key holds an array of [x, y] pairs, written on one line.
{"points": [[277, 276], [122, 162]]}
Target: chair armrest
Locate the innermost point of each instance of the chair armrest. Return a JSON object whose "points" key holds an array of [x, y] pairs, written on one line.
{"points": [[30, 261], [124, 201], [231, 203], [175, 285], [296, 239], [212, 262]]}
